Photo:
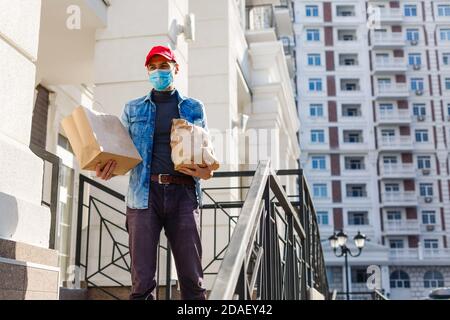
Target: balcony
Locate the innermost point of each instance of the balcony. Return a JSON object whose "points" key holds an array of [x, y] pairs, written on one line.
{"points": [[385, 40], [394, 116], [424, 254], [398, 170], [399, 227], [393, 143], [436, 254], [261, 24], [403, 254], [392, 90], [284, 18], [399, 198], [425, 228], [390, 65], [390, 15]]}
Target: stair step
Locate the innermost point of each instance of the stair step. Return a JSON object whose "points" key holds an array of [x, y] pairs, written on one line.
{"points": [[122, 293], [73, 294]]}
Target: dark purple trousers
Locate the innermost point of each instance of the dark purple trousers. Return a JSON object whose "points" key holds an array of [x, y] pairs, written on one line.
{"points": [[173, 207]]}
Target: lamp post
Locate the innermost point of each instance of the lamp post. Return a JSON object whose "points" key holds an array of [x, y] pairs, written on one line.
{"points": [[339, 240]]}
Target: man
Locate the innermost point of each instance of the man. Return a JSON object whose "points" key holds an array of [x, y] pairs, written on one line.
{"points": [[158, 196]]}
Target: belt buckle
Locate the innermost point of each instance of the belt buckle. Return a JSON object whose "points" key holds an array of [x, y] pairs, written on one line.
{"points": [[159, 178]]}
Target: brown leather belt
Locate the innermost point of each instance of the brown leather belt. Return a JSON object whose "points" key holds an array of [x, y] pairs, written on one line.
{"points": [[168, 179]]}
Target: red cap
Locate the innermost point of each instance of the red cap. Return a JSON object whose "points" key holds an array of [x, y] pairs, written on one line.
{"points": [[162, 51]]}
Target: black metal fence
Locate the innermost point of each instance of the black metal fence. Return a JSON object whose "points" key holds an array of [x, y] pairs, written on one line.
{"points": [[284, 253]]}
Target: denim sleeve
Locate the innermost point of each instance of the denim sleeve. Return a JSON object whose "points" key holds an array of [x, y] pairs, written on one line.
{"points": [[125, 120], [204, 120]]}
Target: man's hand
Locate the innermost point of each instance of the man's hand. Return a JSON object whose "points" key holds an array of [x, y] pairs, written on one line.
{"points": [[202, 172], [106, 172]]}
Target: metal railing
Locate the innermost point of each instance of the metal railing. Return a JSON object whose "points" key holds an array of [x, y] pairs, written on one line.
{"points": [[55, 162], [108, 241], [291, 262], [275, 251]]}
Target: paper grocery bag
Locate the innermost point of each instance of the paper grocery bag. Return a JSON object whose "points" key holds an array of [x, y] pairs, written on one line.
{"points": [[191, 144], [98, 137]]}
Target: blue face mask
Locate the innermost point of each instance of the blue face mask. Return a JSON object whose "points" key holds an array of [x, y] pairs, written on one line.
{"points": [[161, 79]]}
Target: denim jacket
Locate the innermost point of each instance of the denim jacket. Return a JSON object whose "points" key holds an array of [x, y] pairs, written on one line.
{"points": [[138, 117]]}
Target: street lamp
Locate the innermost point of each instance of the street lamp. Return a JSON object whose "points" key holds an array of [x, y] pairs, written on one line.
{"points": [[339, 240]]}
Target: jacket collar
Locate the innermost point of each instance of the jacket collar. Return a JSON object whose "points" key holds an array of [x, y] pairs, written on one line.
{"points": [[180, 96]]}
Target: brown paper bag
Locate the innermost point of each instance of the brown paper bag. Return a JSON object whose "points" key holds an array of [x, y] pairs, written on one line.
{"points": [[97, 137], [191, 145]]}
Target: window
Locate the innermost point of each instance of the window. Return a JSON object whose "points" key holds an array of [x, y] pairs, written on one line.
{"points": [[354, 163], [348, 59], [312, 35], [320, 190], [428, 217], [447, 83], [384, 83], [417, 84], [410, 10], [396, 244], [444, 10], [356, 190], [394, 215], [350, 85], [390, 160], [414, 59], [392, 187], [433, 279], [426, 189], [399, 279], [412, 34], [421, 135], [358, 218], [382, 58], [322, 218], [419, 109], [345, 11], [351, 110], [317, 136], [446, 58], [445, 34], [431, 244], [315, 85], [448, 109], [387, 133], [359, 275], [347, 35], [312, 11], [424, 162], [318, 162], [386, 108], [316, 110], [353, 136], [314, 59]]}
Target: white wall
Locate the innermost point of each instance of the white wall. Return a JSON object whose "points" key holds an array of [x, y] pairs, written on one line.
{"points": [[22, 218]]}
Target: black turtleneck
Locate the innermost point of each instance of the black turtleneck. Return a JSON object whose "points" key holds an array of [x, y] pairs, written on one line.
{"points": [[166, 110]]}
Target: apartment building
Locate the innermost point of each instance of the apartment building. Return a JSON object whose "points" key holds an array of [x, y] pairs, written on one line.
{"points": [[374, 107]]}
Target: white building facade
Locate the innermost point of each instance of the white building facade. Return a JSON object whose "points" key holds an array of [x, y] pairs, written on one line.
{"points": [[374, 108], [240, 64]]}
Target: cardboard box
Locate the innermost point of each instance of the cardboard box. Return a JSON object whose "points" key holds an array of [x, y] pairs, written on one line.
{"points": [[97, 137]]}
